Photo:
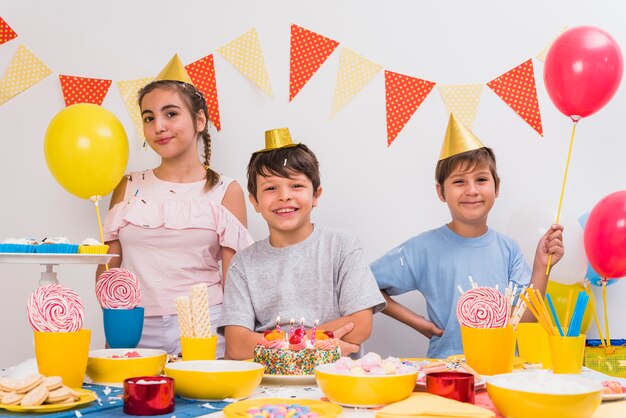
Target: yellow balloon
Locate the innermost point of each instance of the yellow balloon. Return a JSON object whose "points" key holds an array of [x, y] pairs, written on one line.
{"points": [[86, 149], [559, 294]]}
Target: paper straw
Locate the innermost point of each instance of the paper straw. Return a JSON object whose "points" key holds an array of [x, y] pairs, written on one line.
{"points": [[558, 213], [539, 318], [556, 318], [540, 307]]}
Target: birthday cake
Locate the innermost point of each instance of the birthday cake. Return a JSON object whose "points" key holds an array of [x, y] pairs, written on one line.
{"points": [[296, 354]]}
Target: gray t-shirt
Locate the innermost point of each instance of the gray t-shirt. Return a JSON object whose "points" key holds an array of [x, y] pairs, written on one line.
{"points": [[323, 277]]}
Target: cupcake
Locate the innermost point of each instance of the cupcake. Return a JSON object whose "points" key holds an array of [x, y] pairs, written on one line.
{"points": [[92, 246], [57, 245], [18, 245]]}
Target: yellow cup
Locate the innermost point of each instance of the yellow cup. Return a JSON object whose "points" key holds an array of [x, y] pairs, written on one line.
{"points": [[199, 348], [532, 343], [63, 354], [489, 350], [567, 353]]}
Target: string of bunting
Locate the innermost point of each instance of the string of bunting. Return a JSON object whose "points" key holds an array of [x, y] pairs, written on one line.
{"points": [[308, 52]]}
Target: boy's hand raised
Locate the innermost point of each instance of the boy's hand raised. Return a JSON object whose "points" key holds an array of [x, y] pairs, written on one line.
{"points": [[551, 243], [346, 347]]}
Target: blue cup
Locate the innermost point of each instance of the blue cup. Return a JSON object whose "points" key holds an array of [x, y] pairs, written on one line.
{"points": [[123, 327]]}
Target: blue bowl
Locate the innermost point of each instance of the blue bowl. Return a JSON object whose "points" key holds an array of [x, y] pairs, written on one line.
{"points": [[123, 327]]}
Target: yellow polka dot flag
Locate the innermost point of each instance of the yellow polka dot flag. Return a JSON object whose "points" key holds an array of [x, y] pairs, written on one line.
{"points": [[6, 33], [462, 100], [541, 56], [517, 88], [83, 90], [245, 54], [355, 72], [308, 52], [403, 95], [128, 90], [24, 71], [202, 73]]}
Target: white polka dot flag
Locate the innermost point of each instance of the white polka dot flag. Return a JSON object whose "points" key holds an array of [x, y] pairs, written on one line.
{"points": [[517, 88], [128, 90], [202, 73], [6, 33], [462, 100], [403, 95], [245, 54], [83, 90], [355, 72], [24, 71], [308, 52]]}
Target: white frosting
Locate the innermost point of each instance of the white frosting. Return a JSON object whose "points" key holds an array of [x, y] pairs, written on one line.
{"points": [[90, 241], [55, 240], [22, 241]]}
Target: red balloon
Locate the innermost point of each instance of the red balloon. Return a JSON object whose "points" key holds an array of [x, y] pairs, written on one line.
{"points": [[605, 236], [582, 71]]}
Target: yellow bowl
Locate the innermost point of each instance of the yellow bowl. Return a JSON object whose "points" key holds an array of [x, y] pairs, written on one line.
{"points": [[544, 395], [102, 368], [363, 391], [213, 380]]}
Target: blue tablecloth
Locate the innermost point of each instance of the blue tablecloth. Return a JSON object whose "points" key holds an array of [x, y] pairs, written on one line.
{"points": [[110, 405]]}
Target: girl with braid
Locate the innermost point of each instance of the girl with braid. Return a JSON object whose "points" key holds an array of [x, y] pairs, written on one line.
{"points": [[180, 223]]}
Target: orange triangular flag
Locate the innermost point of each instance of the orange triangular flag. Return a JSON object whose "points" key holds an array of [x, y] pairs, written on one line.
{"points": [[517, 88], [403, 95], [83, 90], [6, 33], [308, 52], [202, 73]]}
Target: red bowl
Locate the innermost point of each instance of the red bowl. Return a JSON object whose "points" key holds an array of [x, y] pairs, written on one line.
{"points": [[148, 395]]}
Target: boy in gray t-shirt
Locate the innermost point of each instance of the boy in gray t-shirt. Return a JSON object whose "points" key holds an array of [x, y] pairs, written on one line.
{"points": [[301, 270]]}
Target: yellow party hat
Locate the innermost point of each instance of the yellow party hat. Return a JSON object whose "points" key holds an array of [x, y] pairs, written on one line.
{"points": [[174, 70], [277, 138], [458, 139]]}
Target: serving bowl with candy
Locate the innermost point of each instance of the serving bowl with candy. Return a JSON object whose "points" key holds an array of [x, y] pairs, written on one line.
{"points": [[544, 395], [215, 379], [368, 382], [116, 364]]}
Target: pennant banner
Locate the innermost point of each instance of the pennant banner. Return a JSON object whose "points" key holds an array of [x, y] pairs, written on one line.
{"points": [[83, 90], [308, 52], [24, 71], [128, 90], [463, 100], [355, 72], [6, 33], [403, 95], [542, 55], [202, 73], [245, 54], [517, 88]]}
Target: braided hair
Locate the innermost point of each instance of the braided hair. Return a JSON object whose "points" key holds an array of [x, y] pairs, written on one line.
{"points": [[195, 102]]}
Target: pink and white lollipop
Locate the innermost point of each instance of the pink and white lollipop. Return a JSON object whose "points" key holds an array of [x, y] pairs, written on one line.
{"points": [[482, 307], [118, 289], [54, 308]]}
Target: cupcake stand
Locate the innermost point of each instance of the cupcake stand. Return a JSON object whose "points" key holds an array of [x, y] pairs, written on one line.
{"points": [[49, 260]]}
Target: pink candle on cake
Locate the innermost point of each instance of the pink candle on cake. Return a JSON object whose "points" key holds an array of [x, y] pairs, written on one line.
{"points": [[314, 331], [278, 323], [292, 322]]}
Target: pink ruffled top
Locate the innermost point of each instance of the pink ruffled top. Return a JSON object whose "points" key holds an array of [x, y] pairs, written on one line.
{"points": [[171, 236]]}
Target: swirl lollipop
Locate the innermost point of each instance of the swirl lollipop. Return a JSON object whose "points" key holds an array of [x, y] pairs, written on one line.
{"points": [[54, 308], [118, 289], [482, 307]]}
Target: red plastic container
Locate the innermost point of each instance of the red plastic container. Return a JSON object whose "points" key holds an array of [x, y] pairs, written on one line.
{"points": [[453, 385], [148, 395]]}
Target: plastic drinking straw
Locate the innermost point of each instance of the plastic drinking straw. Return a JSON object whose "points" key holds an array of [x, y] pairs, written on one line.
{"points": [[570, 293], [556, 318], [594, 313], [572, 322], [539, 318], [606, 314]]}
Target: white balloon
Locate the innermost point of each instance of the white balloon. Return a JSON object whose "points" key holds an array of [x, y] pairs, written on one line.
{"points": [[528, 224]]}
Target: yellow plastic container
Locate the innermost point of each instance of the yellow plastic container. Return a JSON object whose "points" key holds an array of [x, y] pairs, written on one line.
{"points": [[567, 353], [198, 348], [532, 343], [489, 350], [102, 367], [63, 354]]}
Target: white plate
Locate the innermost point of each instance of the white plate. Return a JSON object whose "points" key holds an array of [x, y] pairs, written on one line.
{"points": [[281, 379], [55, 258], [607, 397]]}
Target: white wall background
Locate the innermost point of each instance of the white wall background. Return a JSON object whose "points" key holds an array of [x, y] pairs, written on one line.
{"points": [[383, 195]]}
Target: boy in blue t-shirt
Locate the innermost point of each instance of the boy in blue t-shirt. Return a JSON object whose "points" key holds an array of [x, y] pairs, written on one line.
{"points": [[436, 262]]}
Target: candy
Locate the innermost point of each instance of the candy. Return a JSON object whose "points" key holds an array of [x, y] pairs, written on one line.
{"points": [[482, 307], [54, 308], [118, 289]]}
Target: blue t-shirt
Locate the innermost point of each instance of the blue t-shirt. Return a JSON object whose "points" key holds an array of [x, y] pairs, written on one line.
{"points": [[436, 262]]}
